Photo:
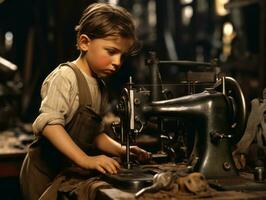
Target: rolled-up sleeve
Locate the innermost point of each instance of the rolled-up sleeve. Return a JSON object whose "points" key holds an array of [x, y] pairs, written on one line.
{"points": [[57, 100]]}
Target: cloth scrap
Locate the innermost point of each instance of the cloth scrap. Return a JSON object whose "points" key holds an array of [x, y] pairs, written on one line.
{"points": [[74, 184]]}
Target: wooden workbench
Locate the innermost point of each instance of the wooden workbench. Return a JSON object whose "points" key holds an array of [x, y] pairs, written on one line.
{"points": [[12, 154], [241, 190], [116, 194]]}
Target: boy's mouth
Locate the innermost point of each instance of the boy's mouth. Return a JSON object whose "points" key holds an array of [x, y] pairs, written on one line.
{"points": [[109, 72]]}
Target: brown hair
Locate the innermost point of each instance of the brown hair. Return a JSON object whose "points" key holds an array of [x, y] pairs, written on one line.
{"points": [[100, 20]]}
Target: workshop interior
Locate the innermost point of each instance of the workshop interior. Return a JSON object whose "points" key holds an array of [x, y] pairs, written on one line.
{"points": [[194, 95]]}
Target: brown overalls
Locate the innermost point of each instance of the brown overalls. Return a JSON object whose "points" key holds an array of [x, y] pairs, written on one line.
{"points": [[43, 162]]}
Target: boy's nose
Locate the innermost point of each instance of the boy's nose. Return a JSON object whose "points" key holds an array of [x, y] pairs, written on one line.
{"points": [[116, 62]]}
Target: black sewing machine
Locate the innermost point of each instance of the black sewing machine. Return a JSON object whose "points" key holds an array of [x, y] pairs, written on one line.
{"points": [[218, 114]]}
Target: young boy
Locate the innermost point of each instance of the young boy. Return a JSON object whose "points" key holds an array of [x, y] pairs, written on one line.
{"points": [[105, 34]]}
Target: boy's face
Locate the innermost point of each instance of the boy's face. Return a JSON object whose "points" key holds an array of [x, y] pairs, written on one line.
{"points": [[104, 55]]}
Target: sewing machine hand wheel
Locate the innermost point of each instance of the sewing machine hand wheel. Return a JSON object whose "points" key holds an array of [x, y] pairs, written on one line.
{"points": [[235, 95]]}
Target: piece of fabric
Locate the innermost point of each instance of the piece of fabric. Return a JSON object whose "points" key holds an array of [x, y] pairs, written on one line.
{"points": [[255, 126], [194, 183], [191, 186], [74, 184], [254, 137]]}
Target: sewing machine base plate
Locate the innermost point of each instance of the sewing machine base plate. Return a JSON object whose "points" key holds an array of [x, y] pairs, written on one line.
{"points": [[130, 179]]}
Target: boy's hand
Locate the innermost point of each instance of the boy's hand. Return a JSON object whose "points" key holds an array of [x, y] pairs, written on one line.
{"points": [[103, 164], [141, 154]]}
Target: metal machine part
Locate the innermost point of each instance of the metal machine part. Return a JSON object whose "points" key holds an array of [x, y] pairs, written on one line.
{"points": [[215, 115], [218, 117], [211, 112], [229, 87], [132, 179], [7, 70], [163, 180]]}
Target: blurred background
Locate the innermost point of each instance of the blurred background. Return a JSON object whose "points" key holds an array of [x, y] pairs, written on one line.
{"points": [[36, 36]]}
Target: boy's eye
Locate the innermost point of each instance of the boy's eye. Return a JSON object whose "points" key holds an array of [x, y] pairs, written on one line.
{"points": [[111, 51]]}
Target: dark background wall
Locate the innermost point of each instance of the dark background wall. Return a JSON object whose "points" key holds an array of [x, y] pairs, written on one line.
{"points": [[43, 37]]}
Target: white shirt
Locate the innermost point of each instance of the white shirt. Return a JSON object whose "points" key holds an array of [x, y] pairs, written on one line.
{"points": [[60, 99]]}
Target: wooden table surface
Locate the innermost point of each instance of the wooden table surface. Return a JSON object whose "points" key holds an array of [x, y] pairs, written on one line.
{"points": [[10, 163], [12, 152], [117, 194], [242, 187]]}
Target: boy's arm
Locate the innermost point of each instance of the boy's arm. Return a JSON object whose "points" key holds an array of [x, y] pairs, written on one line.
{"points": [[57, 135], [109, 145]]}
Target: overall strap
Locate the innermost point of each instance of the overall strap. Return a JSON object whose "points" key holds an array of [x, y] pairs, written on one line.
{"points": [[104, 100], [84, 91]]}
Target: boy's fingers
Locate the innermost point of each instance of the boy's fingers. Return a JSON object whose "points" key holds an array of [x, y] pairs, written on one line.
{"points": [[111, 168], [110, 165], [101, 169], [116, 164], [144, 156]]}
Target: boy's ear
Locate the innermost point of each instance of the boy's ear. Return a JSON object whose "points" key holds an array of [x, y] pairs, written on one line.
{"points": [[83, 42]]}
